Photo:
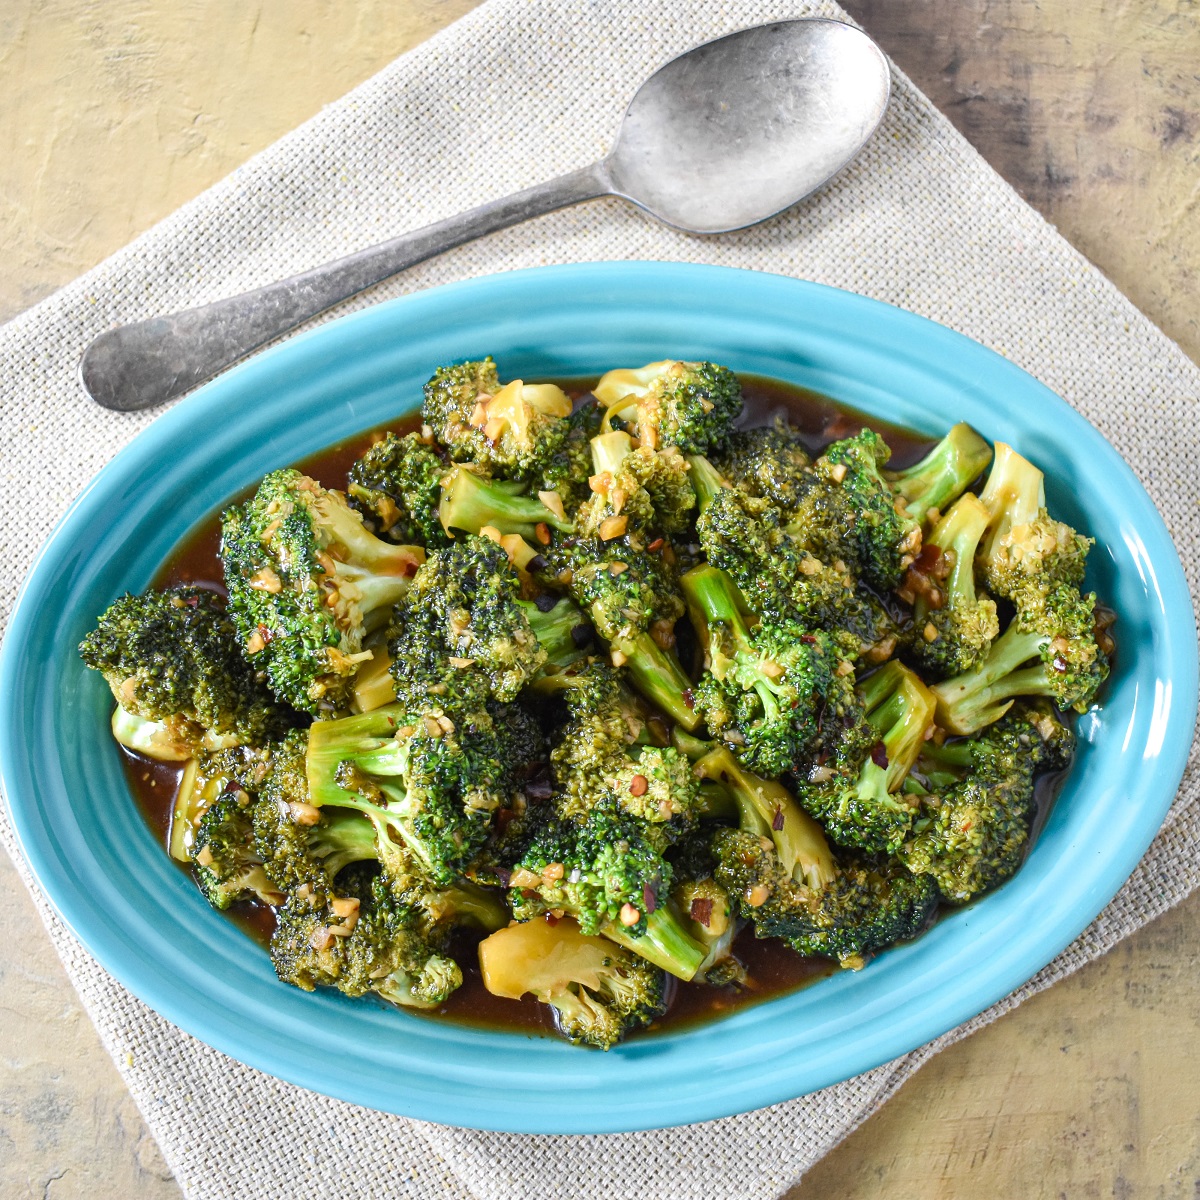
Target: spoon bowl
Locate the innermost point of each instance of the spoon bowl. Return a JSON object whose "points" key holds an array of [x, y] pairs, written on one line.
{"points": [[726, 135], [741, 128]]}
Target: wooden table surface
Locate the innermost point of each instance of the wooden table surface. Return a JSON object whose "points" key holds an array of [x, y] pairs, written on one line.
{"points": [[116, 113]]}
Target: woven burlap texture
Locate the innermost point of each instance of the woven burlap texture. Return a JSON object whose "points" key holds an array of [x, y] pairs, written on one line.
{"points": [[517, 92]]}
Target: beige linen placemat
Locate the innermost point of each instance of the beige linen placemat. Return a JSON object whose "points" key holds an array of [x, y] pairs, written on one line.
{"points": [[516, 92]]}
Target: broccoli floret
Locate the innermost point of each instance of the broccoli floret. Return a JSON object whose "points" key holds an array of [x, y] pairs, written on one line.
{"points": [[1049, 649], [226, 864], [396, 486], [766, 809], [931, 485], [428, 782], [953, 625], [307, 583], [688, 405], [174, 666], [599, 991], [636, 491], [601, 761], [604, 872], [1023, 543], [869, 904], [462, 634], [768, 462], [633, 600], [471, 503], [365, 941], [857, 797], [849, 513], [781, 579], [769, 689], [299, 843], [513, 431], [971, 835]]}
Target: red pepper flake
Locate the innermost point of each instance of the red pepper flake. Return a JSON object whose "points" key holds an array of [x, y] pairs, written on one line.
{"points": [[231, 786], [264, 633], [1060, 664], [192, 601], [551, 919], [655, 546], [879, 756], [529, 893], [649, 900], [702, 910], [689, 699], [777, 819], [808, 639], [639, 785]]}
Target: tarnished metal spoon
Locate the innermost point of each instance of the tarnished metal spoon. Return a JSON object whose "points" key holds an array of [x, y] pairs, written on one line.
{"points": [[722, 137]]}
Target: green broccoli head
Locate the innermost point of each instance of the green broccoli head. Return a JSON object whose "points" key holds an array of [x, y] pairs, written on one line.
{"points": [[768, 688], [870, 904], [172, 658], [767, 462], [972, 834], [601, 761], [856, 794], [362, 941], [636, 491], [688, 405], [301, 845], [512, 431], [632, 598], [396, 486], [781, 579], [307, 583], [430, 783], [851, 514], [462, 634], [606, 873], [1049, 649], [953, 624], [226, 863], [1023, 544], [599, 991]]}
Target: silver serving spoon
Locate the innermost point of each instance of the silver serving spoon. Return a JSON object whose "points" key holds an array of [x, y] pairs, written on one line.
{"points": [[722, 137]]}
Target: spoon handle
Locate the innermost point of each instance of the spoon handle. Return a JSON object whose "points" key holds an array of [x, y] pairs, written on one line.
{"points": [[143, 364]]}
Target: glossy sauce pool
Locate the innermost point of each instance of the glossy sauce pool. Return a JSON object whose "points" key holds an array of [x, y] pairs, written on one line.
{"points": [[772, 967]]}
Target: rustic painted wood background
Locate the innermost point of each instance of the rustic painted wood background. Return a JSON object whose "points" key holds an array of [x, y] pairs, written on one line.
{"points": [[115, 112]]}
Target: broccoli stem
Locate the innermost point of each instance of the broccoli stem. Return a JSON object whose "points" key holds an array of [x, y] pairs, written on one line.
{"points": [[714, 599], [707, 481], [367, 556], [609, 451], [562, 632], [971, 701], [658, 675], [944, 473], [665, 943], [471, 503], [766, 808], [957, 533], [1013, 495], [900, 708]]}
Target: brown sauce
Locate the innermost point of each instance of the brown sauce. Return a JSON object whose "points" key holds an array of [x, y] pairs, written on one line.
{"points": [[773, 969]]}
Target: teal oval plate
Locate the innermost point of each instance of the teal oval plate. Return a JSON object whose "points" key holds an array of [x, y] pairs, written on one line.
{"points": [[110, 881]]}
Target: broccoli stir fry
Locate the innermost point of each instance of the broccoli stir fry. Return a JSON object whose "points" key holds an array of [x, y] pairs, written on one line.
{"points": [[614, 684]]}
